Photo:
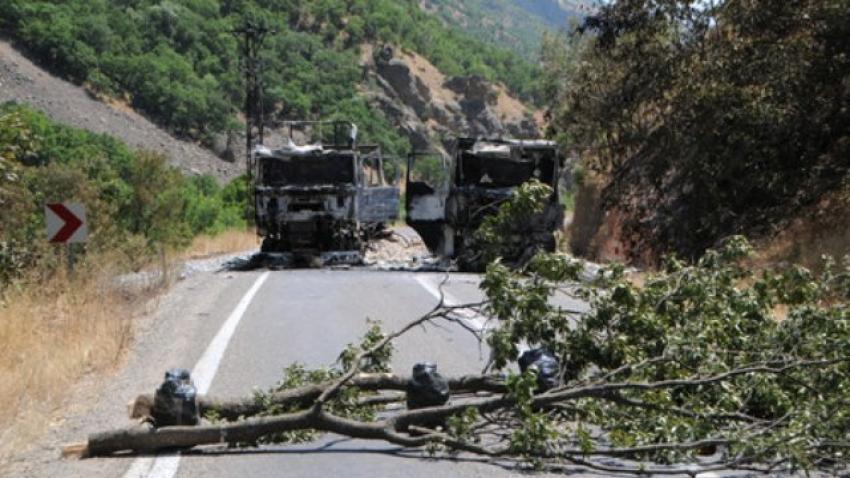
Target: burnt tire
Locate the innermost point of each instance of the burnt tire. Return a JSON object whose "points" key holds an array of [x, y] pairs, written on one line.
{"points": [[272, 245]]}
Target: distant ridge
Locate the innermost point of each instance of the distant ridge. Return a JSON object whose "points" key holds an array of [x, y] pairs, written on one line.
{"points": [[555, 13], [515, 24]]}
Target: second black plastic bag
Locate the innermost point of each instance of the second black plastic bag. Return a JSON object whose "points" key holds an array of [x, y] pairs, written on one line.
{"points": [[548, 368]]}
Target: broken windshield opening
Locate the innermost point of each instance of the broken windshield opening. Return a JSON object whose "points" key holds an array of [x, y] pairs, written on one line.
{"points": [[428, 168], [308, 170], [504, 172]]}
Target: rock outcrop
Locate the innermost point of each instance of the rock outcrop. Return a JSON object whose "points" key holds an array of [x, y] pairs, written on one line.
{"points": [[432, 110]]}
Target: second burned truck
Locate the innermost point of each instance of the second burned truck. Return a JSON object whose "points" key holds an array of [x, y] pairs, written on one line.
{"points": [[326, 195], [448, 198]]}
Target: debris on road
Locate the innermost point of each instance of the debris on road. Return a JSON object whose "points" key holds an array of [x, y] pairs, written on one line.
{"points": [[546, 366], [427, 388], [402, 248], [175, 401], [397, 249]]}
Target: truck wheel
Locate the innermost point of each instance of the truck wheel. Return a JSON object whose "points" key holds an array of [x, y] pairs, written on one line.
{"points": [[271, 245]]}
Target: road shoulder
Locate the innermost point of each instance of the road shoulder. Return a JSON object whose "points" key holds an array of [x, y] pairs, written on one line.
{"points": [[173, 331]]}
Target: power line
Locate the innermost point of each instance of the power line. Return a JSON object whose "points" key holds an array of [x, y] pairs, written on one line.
{"points": [[252, 36]]}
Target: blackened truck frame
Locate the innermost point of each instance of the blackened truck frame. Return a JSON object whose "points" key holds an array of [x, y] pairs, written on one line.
{"points": [[326, 196], [447, 208]]}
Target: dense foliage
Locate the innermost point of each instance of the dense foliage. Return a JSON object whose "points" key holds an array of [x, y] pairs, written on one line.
{"points": [[691, 359], [136, 203], [508, 235], [178, 62], [710, 118], [701, 357]]}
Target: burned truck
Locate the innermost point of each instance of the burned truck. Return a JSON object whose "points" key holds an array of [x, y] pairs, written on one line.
{"points": [[447, 199], [321, 193]]}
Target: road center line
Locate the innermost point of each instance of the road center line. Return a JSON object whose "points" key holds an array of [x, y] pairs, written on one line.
{"points": [[475, 319], [165, 466], [480, 322]]}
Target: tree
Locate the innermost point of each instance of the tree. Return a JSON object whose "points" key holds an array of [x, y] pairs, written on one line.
{"points": [[709, 119], [709, 360], [157, 203], [17, 142]]}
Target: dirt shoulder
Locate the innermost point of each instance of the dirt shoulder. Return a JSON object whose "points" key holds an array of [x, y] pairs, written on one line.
{"points": [[172, 331]]}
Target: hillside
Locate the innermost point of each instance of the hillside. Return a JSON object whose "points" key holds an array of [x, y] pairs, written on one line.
{"points": [[518, 25], [178, 64], [23, 82]]}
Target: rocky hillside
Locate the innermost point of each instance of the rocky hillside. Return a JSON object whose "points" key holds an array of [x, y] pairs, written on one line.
{"points": [[175, 63], [431, 108], [21, 81]]}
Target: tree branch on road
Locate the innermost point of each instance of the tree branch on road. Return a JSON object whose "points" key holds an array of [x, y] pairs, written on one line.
{"points": [[689, 372]]}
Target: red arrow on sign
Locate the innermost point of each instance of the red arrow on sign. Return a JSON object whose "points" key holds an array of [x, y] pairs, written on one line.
{"points": [[72, 222]]}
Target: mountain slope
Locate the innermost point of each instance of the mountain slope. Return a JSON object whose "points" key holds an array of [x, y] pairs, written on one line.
{"points": [[557, 13], [177, 62], [21, 81], [431, 109]]}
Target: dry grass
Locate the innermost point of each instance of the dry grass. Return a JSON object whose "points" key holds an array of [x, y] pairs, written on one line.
{"points": [[52, 333], [511, 109], [226, 242], [56, 330]]}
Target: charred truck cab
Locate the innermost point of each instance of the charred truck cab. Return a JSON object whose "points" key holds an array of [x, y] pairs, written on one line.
{"points": [[328, 196], [447, 199]]}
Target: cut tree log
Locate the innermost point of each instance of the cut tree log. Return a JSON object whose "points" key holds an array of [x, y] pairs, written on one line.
{"points": [[245, 427], [251, 430]]}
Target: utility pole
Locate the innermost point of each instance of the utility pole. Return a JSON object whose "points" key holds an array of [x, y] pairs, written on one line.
{"points": [[252, 36]]}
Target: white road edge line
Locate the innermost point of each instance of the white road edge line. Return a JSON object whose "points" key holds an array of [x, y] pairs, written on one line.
{"points": [[165, 466]]}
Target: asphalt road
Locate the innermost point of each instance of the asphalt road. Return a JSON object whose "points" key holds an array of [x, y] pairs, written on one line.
{"points": [[309, 316]]}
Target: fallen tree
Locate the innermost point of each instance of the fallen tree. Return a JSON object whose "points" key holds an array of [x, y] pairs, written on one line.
{"points": [[701, 367]]}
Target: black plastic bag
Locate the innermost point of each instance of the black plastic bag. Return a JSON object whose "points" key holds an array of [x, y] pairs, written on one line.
{"points": [[175, 401], [548, 368], [426, 388]]}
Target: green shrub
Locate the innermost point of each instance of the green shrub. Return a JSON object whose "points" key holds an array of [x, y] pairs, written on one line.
{"points": [[136, 203]]}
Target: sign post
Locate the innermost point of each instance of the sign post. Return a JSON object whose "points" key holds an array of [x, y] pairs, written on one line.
{"points": [[66, 224]]}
